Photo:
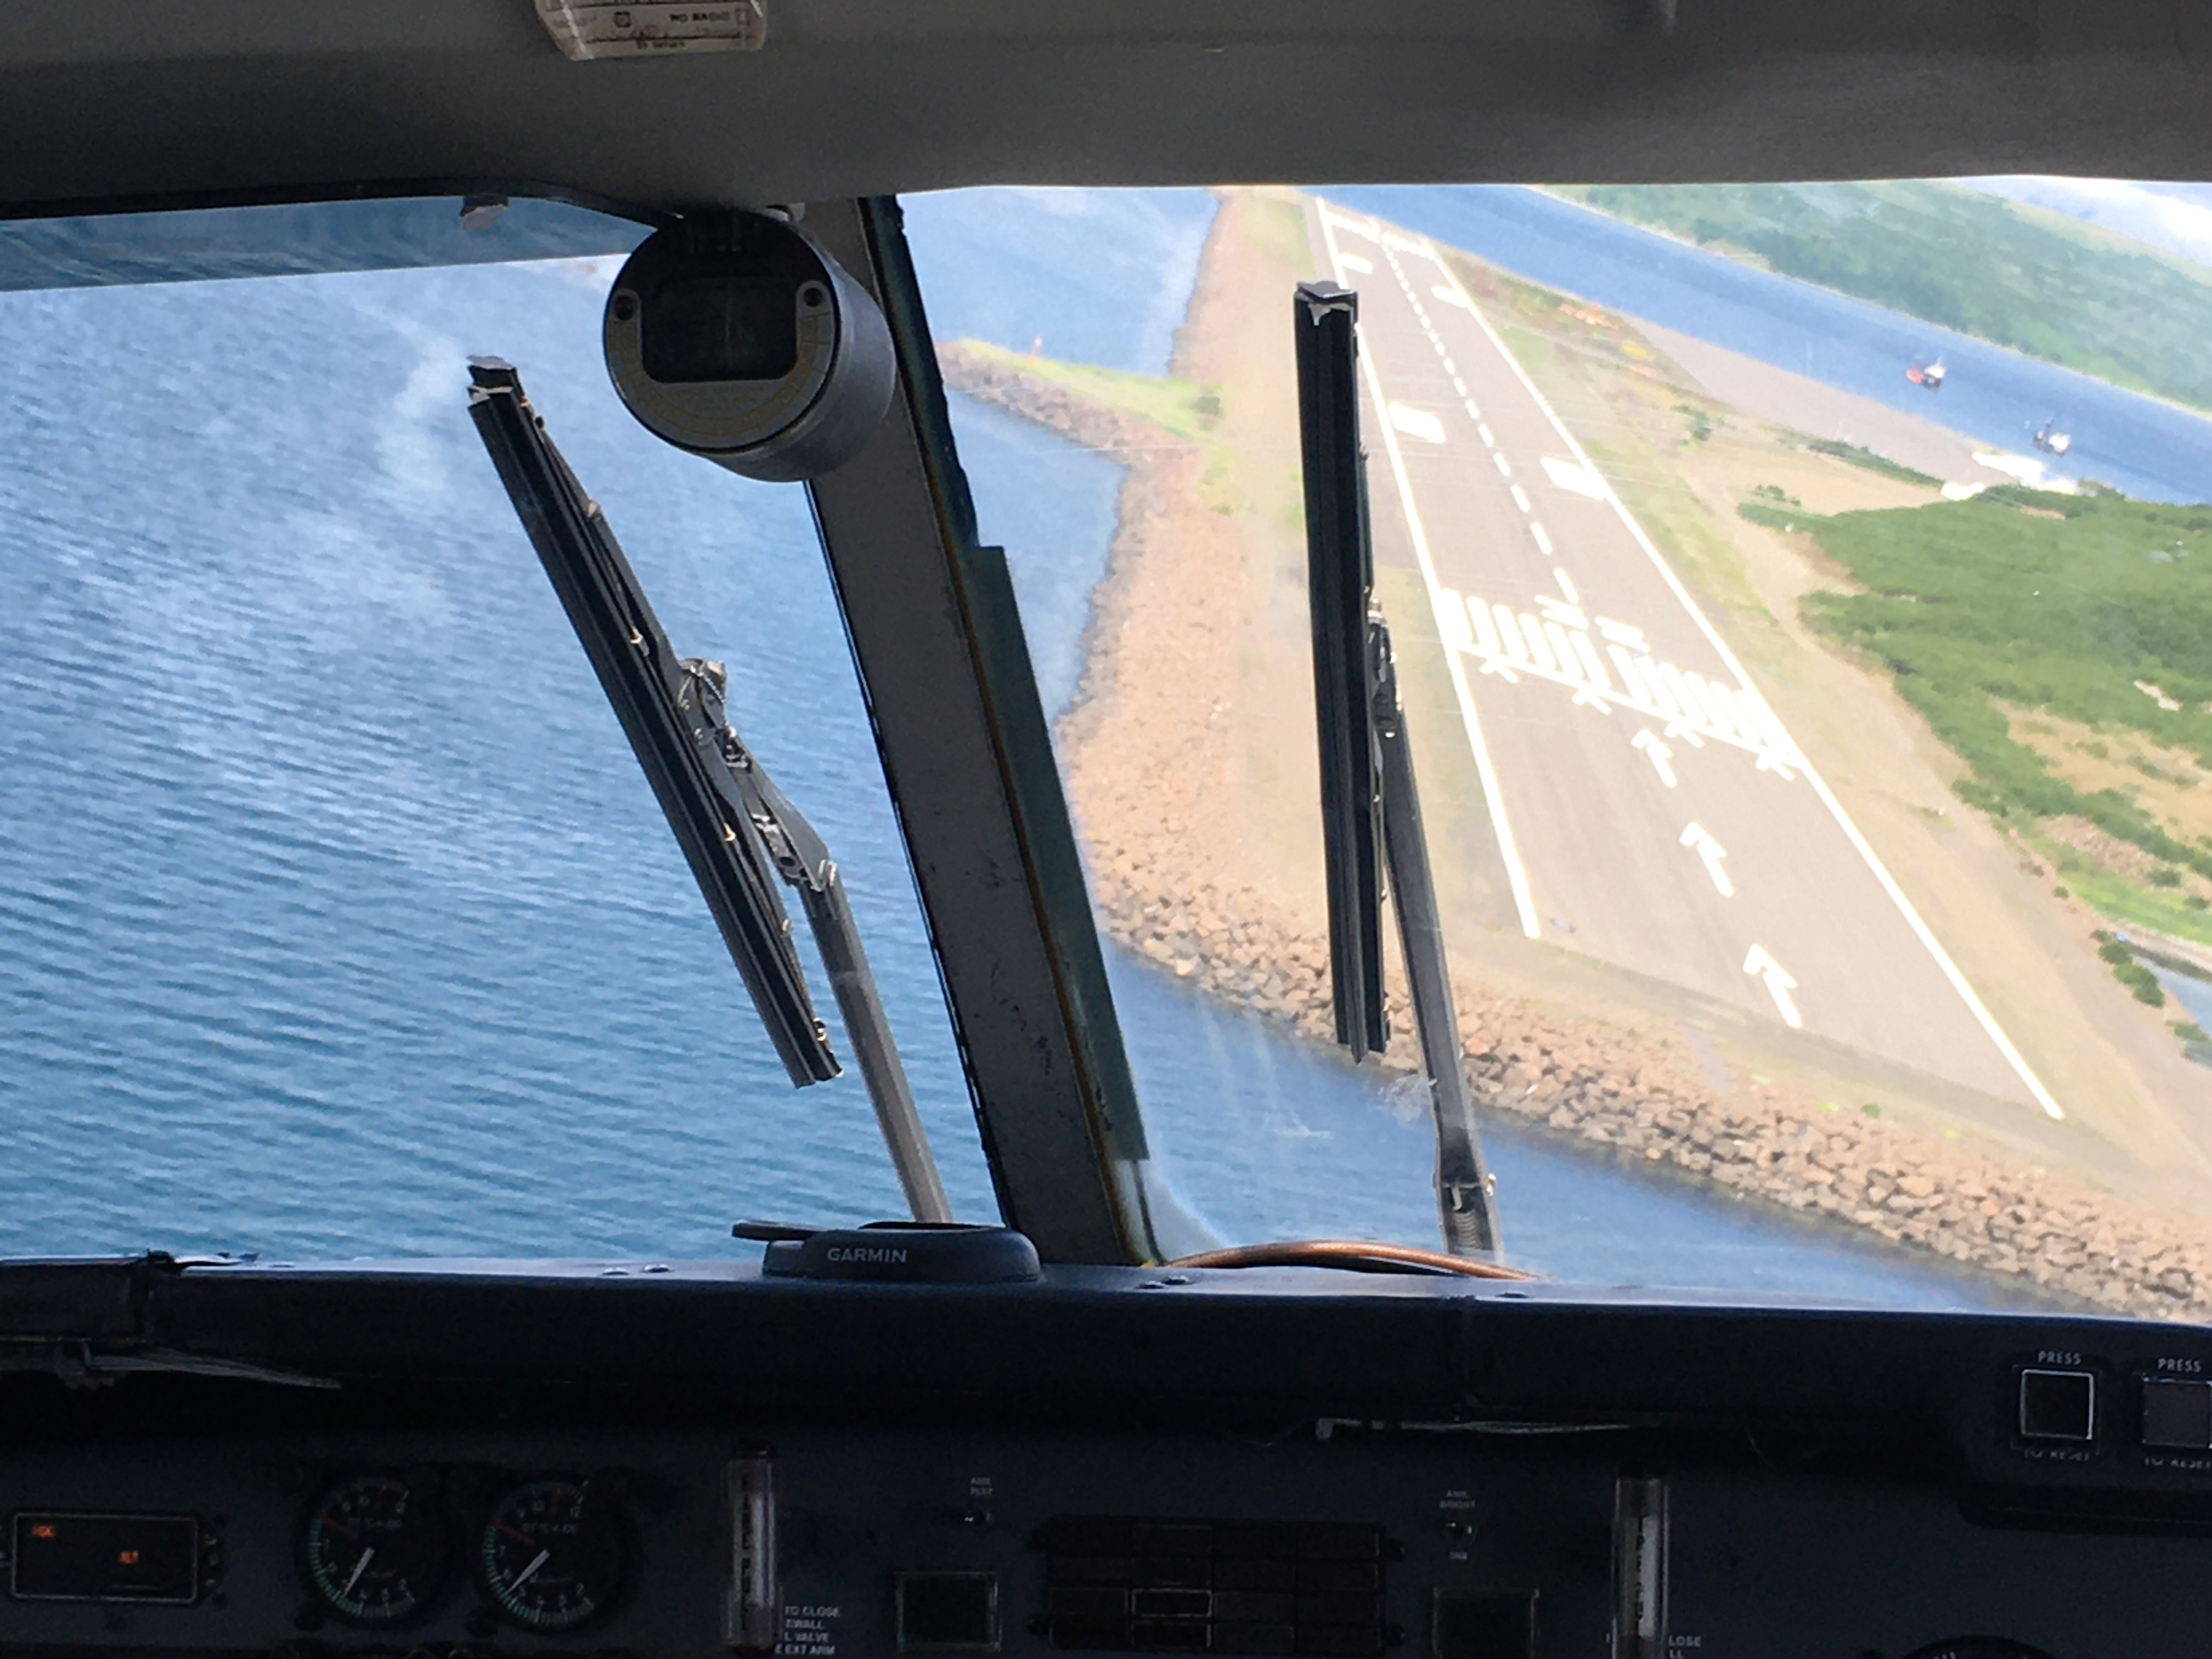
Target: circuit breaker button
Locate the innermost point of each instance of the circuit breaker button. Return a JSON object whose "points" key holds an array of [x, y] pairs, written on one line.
{"points": [[2056, 1404], [2177, 1415]]}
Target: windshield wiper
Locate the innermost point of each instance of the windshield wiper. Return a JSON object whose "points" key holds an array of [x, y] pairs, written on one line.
{"points": [[803, 860], [86, 1323], [735, 826], [1370, 809]]}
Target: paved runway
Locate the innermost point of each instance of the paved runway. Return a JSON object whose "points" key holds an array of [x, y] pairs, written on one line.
{"points": [[1649, 808]]}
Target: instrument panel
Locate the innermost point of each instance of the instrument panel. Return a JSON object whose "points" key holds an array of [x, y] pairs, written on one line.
{"points": [[1434, 1545], [363, 1464]]}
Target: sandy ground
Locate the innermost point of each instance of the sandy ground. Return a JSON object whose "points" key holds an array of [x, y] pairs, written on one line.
{"points": [[1189, 762], [1764, 392]]}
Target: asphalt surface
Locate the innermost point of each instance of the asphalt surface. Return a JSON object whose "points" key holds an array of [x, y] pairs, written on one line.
{"points": [[1647, 808]]}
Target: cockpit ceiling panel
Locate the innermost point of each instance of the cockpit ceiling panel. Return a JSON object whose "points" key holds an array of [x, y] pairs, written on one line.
{"points": [[109, 101]]}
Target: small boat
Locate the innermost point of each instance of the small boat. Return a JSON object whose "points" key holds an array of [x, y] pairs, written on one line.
{"points": [[1929, 375], [2053, 439]]}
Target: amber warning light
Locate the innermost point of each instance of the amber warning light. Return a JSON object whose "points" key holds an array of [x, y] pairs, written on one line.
{"points": [[106, 1558]]}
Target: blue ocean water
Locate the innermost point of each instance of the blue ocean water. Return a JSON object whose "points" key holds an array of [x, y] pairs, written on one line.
{"points": [[2146, 448], [334, 917]]}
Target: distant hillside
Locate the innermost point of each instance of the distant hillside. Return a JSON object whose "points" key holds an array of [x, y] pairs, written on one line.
{"points": [[2001, 271]]}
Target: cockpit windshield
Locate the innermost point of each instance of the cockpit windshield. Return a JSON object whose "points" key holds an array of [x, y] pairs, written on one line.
{"points": [[1791, 591], [1791, 596]]}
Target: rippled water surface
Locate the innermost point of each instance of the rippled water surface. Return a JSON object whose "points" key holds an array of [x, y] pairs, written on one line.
{"points": [[335, 916]]}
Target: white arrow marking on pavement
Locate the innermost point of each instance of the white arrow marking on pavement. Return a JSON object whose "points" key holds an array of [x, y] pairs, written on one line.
{"points": [[1416, 424], [1580, 479], [1779, 985], [1659, 754], [1712, 852]]}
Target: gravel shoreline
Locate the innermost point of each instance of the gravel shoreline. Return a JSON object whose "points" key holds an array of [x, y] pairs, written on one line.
{"points": [[1144, 771]]}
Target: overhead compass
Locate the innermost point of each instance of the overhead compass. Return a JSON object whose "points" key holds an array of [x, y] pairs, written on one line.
{"points": [[374, 1549]]}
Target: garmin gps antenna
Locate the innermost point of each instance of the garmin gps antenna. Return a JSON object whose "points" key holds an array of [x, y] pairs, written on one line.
{"points": [[1370, 809]]}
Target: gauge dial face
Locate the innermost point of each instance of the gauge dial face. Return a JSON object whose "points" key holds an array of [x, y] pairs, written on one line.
{"points": [[554, 1555], [376, 1550]]}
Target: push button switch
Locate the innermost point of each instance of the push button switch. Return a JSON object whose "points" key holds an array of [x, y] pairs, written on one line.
{"points": [[2058, 1404], [2177, 1415]]}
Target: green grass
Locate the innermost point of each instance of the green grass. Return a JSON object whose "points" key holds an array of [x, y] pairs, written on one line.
{"points": [[1179, 407], [1873, 462], [1281, 230], [2038, 281], [1972, 605], [2124, 902]]}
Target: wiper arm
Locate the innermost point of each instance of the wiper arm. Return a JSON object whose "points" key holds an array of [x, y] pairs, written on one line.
{"points": [[1463, 1185], [733, 824], [86, 1323], [804, 861], [1368, 793]]}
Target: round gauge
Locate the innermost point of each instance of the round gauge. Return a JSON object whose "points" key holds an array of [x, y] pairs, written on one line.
{"points": [[376, 1550], [1978, 1647], [554, 1555]]}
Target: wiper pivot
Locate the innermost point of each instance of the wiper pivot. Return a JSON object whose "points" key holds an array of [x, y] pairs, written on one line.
{"points": [[803, 860]]}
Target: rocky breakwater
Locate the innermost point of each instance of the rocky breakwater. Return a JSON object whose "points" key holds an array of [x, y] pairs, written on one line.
{"points": [[1149, 766]]}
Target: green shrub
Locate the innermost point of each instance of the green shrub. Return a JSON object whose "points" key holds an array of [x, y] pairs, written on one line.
{"points": [[2143, 982], [1971, 607]]}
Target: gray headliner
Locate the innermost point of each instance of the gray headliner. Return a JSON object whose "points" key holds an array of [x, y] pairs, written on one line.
{"points": [[107, 101]]}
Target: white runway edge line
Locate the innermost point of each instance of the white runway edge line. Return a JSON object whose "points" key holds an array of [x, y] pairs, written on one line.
{"points": [[2013, 1056], [1516, 875]]}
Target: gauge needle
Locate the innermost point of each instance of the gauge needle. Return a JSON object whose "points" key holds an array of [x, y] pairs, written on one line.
{"points": [[523, 1577], [359, 1568]]}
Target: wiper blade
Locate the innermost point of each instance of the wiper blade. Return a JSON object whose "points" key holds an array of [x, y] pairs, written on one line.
{"points": [[85, 1322], [735, 826], [77, 1364], [645, 681], [1341, 580], [1368, 793]]}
